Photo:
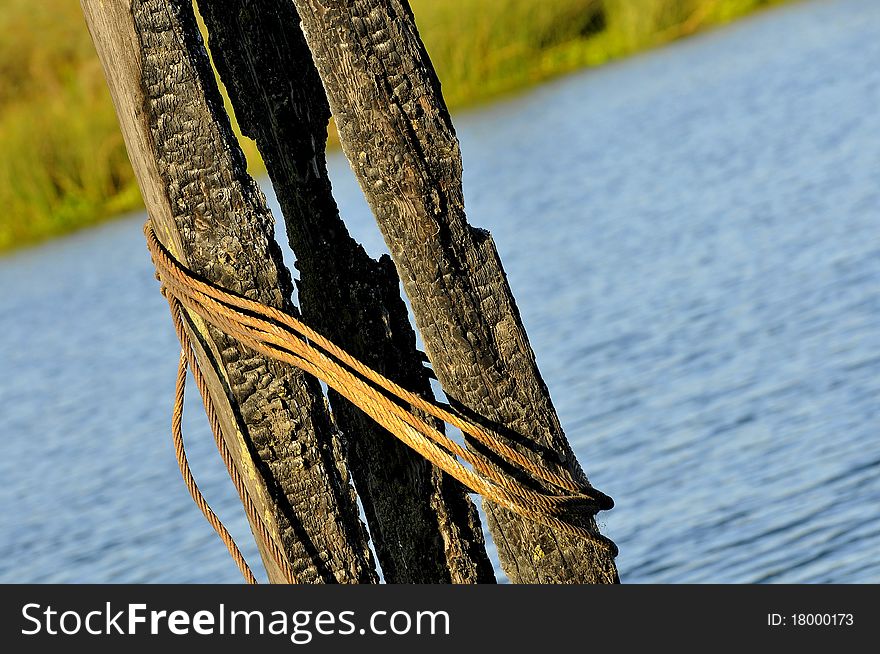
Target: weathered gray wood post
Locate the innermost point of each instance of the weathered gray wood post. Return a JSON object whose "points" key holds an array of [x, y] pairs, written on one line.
{"points": [[212, 216], [397, 133], [423, 526]]}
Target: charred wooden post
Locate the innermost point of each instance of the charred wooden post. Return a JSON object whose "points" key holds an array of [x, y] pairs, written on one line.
{"points": [[213, 217], [396, 131], [423, 526]]}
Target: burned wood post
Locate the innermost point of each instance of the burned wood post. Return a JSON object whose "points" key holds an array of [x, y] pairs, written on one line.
{"points": [[211, 217], [397, 133], [210, 214], [423, 526]]}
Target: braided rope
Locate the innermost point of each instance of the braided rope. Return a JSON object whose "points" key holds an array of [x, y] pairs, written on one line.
{"points": [[189, 480], [188, 360], [280, 336]]}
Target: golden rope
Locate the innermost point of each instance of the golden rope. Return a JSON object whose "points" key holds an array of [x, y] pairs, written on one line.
{"points": [[188, 360], [280, 336], [192, 486]]}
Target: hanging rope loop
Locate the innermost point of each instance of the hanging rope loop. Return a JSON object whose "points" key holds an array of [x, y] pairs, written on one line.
{"points": [[544, 495]]}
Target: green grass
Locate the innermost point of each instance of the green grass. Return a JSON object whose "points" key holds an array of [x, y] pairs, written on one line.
{"points": [[63, 162], [485, 48]]}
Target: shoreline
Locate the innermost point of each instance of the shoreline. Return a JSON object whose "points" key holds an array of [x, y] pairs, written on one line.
{"points": [[92, 183]]}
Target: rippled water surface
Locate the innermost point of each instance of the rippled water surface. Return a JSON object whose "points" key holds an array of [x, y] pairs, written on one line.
{"points": [[693, 237]]}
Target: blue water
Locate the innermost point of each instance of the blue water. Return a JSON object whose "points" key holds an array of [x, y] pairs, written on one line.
{"points": [[693, 236]]}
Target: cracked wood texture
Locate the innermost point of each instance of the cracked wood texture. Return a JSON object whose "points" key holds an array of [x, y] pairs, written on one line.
{"points": [[397, 133], [423, 526], [212, 215]]}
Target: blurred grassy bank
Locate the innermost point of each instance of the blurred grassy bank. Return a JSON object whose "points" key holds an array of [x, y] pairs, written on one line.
{"points": [[63, 162]]}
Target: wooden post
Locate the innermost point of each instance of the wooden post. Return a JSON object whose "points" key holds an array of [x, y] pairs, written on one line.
{"points": [[423, 526], [212, 216], [397, 133]]}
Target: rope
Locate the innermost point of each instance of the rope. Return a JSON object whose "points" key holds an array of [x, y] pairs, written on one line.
{"points": [[188, 360], [190, 482], [280, 336]]}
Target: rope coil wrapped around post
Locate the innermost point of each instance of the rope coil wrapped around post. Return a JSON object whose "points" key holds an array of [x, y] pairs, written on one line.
{"points": [[280, 336]]}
